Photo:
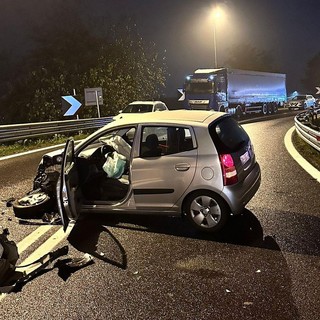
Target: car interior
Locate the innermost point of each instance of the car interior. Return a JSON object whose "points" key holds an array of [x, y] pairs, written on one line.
{"points": [[103, 166]]}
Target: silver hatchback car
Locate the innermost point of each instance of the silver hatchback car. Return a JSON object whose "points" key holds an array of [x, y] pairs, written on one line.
{"points": [[195, 163]]}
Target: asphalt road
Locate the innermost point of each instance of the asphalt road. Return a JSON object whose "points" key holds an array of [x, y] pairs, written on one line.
{"points": [[264, 265]]}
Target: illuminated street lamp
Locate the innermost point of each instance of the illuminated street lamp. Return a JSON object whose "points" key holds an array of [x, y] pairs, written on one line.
{"points": [[217, 14]]}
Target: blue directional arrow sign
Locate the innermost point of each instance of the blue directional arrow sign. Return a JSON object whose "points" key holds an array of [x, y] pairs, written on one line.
{"points": [[183, 96], [73, 105]]}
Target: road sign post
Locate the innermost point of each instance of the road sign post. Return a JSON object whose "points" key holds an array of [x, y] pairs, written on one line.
{"points": [[97, 102], [93, 97]]}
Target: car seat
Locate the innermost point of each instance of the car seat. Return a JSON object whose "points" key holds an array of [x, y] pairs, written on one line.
{"points": [[152, 143]]}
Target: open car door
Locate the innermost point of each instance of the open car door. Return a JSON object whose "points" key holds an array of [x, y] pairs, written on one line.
{"points": [[67, 186]]}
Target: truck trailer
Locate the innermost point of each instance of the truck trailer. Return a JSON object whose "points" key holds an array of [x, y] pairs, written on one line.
{"points": [[235, 91]]}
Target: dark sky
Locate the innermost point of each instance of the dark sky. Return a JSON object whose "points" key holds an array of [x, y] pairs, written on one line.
{"points": [[289, 29]]}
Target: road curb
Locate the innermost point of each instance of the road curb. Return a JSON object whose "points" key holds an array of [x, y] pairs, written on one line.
{"points": [[309, 168]]}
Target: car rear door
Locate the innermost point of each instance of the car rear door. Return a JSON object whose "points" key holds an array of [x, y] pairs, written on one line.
{"points": [[67, 186]]}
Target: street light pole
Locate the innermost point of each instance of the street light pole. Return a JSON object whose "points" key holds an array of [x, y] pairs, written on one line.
{"points": [[217, 13], [215, 45]]}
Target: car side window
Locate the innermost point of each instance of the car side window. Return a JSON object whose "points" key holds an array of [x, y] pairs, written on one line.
{"points": [[120, 140], [159, 141], [159, 107]]}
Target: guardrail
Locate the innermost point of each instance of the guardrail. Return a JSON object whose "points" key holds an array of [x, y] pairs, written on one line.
{"points": [[306, 129], [14, 132]]}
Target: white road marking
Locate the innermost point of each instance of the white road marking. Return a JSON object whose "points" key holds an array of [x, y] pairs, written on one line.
{"points": [[61, 145], [45, 248], [32, 237], [30, 152], [296, 156]]}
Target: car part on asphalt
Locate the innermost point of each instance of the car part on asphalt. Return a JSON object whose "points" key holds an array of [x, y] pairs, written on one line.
{"points": [[8, 258], [32, 205], [19, 278]]}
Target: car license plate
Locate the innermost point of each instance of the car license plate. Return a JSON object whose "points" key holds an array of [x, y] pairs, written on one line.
{"points": [[245, 157]]}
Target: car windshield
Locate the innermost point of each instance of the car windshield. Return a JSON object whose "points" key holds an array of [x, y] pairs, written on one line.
{"points": [[199, 87], [137, 108], [228, 135], [299, 98]]}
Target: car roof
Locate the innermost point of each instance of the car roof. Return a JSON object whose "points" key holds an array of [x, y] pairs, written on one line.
{"points": [[145, 102], [177, 116]]}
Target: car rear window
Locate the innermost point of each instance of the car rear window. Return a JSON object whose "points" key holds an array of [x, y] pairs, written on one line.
{"points": [[227, 135], [138, 108]]}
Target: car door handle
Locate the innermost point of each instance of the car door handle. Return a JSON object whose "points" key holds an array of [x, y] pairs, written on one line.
{"points": [[182, 166]]}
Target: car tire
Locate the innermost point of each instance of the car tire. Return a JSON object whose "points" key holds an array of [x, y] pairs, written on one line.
{"points": [[33, 205], [238, 113], [265, 109], [206, 211]]}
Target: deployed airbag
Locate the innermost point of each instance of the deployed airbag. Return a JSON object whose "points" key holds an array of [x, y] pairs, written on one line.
{"points": [[120, 145], [114, 165]]}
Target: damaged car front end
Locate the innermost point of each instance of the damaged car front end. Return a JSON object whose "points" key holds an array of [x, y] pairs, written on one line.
{"points": [[42, 198]]}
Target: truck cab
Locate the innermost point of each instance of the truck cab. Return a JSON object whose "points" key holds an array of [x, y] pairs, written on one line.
{"points": [[206, 89]]}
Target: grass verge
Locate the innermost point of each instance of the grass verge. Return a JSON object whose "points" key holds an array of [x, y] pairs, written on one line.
{"points": [[7, 149], [309, 153]]}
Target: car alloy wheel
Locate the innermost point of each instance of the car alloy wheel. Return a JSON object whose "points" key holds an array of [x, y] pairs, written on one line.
{"points": [[32, 205]]}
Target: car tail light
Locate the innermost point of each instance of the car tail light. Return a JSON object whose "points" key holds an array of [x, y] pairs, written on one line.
{"points": [[251, 148], [229, 171]]}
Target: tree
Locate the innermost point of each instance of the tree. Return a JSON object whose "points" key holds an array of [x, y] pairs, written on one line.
{"points": [[312, 74], [247, 57], [68, 54], [128, 68], [64, 50]]}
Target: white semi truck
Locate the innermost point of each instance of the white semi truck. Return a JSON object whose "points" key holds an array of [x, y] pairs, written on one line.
{"points": [[235, 91]]}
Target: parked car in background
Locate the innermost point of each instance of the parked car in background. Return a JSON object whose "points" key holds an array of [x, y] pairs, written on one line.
{"points": [[199, 164], [303, 101], [141, 107]]}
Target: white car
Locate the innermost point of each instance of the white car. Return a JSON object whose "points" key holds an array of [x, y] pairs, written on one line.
{"points": [[141, 107], [302, 101]]}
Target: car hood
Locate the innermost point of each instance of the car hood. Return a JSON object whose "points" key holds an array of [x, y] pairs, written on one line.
{"points": [[51, 154]]}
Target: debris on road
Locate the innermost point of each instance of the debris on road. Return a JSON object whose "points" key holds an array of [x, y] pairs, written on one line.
{"points": [[8, 259], [247, 303]]}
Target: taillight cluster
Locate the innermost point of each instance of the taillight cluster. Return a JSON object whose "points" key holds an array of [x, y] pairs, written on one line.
{"points": [[229, 171]]}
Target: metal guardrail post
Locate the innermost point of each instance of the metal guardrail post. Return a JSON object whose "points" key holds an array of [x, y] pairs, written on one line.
{"points": [[306, 130]]}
